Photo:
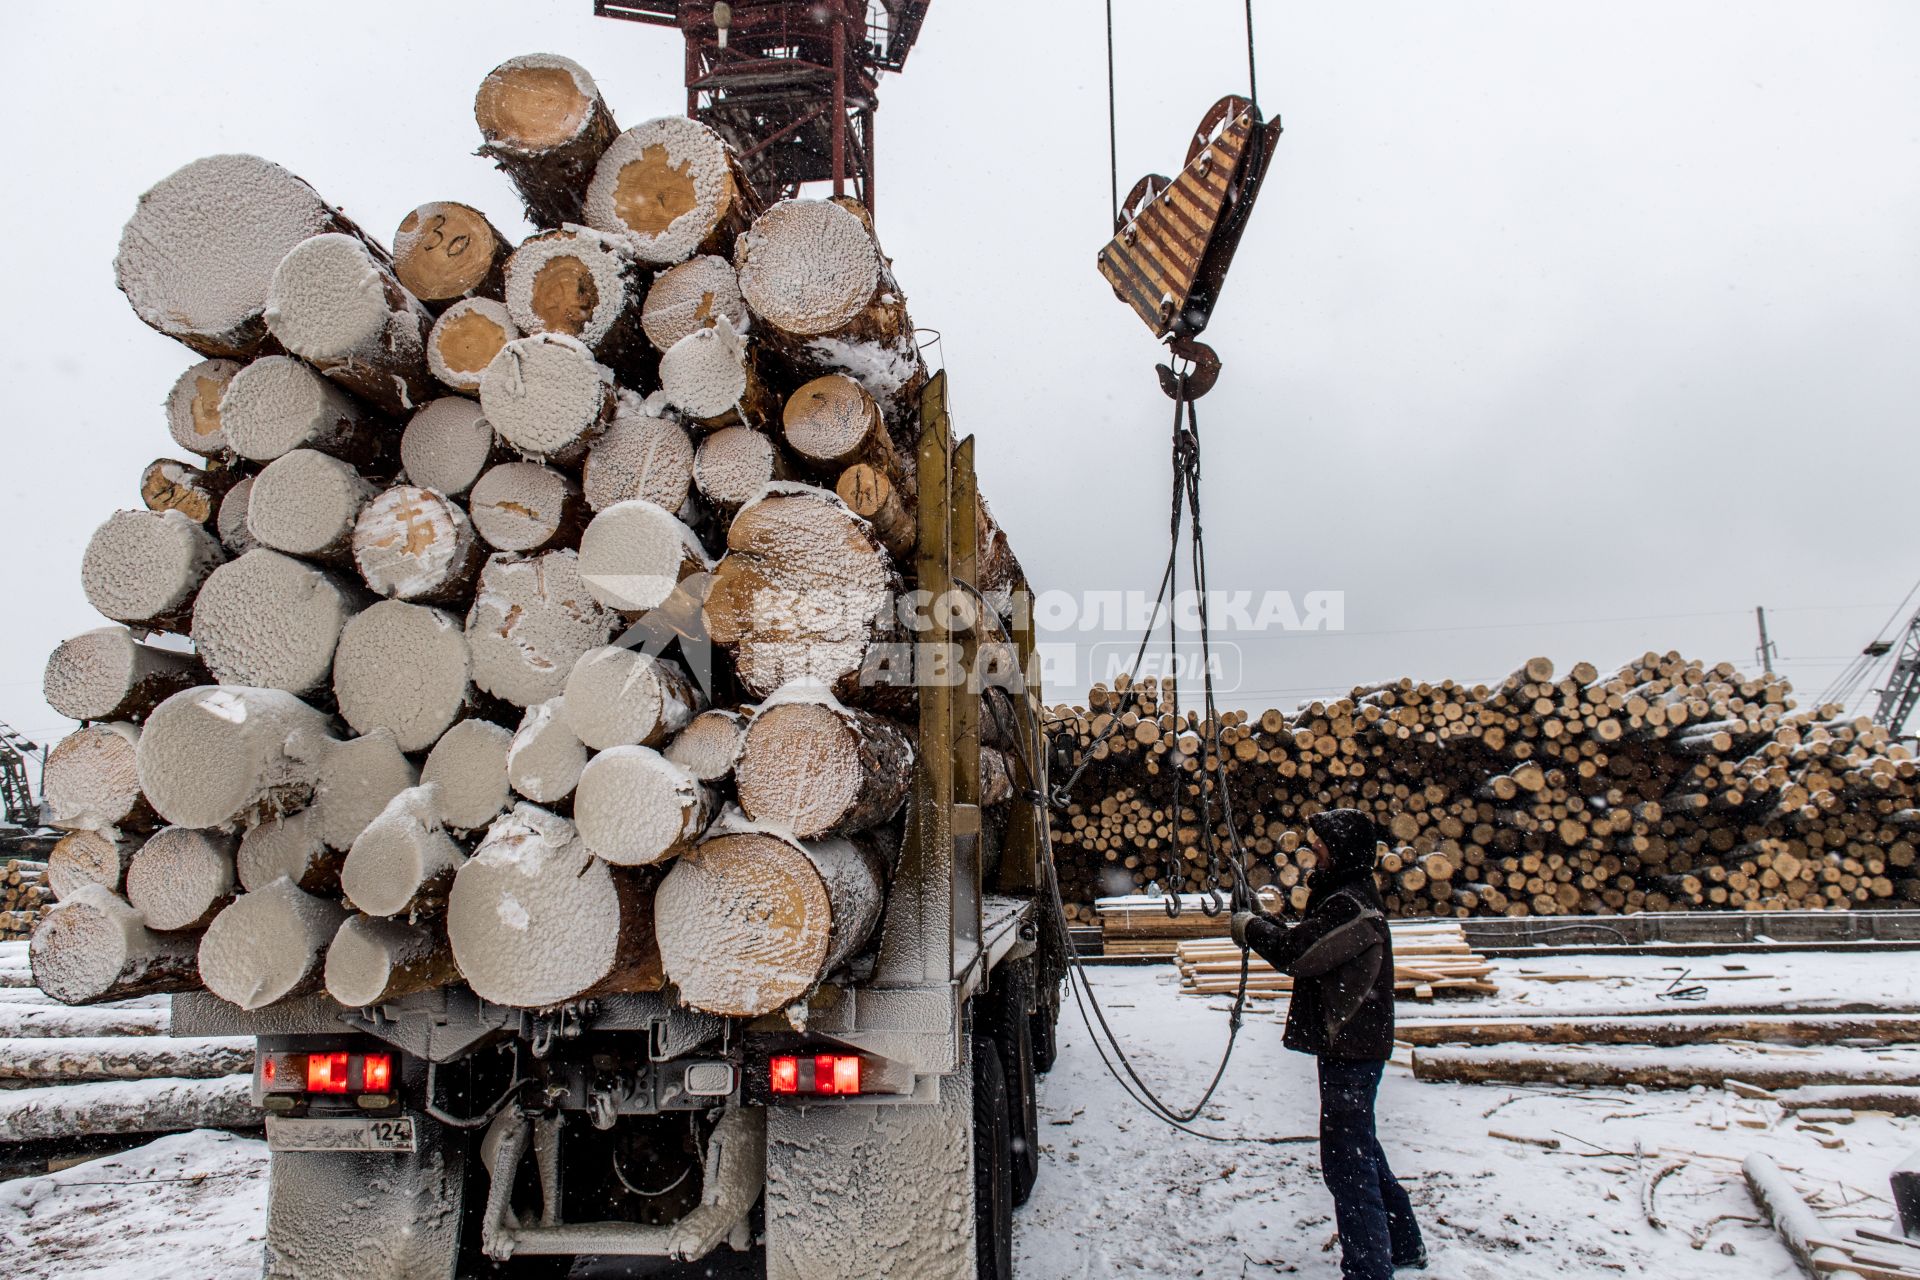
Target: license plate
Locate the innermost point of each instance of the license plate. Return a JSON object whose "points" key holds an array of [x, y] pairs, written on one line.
{"points": [[286, 1133]]}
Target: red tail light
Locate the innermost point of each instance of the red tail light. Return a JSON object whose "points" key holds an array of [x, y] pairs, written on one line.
{"points": [[326, 1073], [784, 1073], [376, 1073], [846, 1075], [825, 1078], [822, 1075]]}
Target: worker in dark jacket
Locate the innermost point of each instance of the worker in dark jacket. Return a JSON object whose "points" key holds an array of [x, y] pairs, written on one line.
{"points": [[1341, 959]]}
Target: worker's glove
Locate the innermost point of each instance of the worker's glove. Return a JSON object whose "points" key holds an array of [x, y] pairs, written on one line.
{"points": [[1241, 919]]}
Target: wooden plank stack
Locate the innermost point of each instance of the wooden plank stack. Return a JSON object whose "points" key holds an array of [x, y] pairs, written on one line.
{"points": [[401, 689], [1429, 958], [1666, 785]]}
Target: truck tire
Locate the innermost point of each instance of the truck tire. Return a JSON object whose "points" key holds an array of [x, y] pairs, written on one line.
{"points": [[1013, 1029], [1044, 1027], [992, 1164]]}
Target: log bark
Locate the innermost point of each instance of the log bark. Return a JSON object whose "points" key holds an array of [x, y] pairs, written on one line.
{"points": [[336, 304], [804, 592], [709, 376], [996, 777], [193, 408], [197, 258], [143, 1106], [74, 1061], [306, 503], [271, 621], [358, 778], [464, 341], [217, 755], [445, 251], [1896, 1099], [547, 397], [816, 768], [106, 674], [277, 404], [634, 807], [230, 522], [290, 847], [546, 126], [1683, 1030], [269, 945], [372, 961], [82, 858], [672, 187], [1653, 1071], [91, 781], [468, 766], [734, 464], [171, 485], [619, 697], [525, 507], [690, 297], [709, 747], [448, 445], [749, 923], [1799, 1226], [531, 620], [47, 1022], [406, 669], [585, 285], [182, 878], [415, 544], [634, 554], [535, 919], [546, 758], [404, 862], [644, 453], [145, 568], [95, 947]]}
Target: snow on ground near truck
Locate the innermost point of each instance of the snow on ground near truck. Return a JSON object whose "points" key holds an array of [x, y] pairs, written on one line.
{"points": [[1122, 1195]]}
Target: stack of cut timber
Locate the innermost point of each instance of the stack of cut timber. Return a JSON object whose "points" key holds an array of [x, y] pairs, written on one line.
{"points": [[369, 721], [1666, 785], [24, 895], [1429, 958]]}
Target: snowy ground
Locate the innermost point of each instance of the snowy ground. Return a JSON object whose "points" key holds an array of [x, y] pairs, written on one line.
{"points": [[1121, 1195]]}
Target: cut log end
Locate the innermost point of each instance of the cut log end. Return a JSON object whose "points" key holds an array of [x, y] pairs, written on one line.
{"points": [[306, 503], [403, 862], [523, 506], [95, 947], [411, 543], [634, 554], [270, 620], [403, 668], [278, 404], [531, 620], [445, 251], [193, 407], [692, 296], [216, 755], [670, 187], [92, 780], [182, 878], [642, 454], [81, 858], [468, 766], [464, 341], [546, 125], [144, 567], [546, 758], [372, 961], [106, 674], [547, 396], [269, 945], [634, 807], [815, 768], [734, 464], [290, 847], [709, 747]]}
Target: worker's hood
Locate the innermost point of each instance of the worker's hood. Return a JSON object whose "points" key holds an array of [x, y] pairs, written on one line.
{"points": [[1351, 838]]}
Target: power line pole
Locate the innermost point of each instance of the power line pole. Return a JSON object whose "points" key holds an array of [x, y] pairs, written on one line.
{"points": [[1766, 649]]}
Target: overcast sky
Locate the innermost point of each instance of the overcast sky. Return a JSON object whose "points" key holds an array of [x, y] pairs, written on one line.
{"points": [[1576, 329]]}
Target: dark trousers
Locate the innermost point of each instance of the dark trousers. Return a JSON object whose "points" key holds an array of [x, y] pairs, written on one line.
{"points": [[1369, 1205]]}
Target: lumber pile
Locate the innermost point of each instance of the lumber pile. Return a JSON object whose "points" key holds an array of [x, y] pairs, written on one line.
{"points": [[1429, 959], [24, 894], [1665, 785], [389, 702]]}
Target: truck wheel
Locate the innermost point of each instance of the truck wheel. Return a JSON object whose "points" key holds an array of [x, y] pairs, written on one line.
{"points": [[1044, 1028], [992, 1166], [1023, 1107]]}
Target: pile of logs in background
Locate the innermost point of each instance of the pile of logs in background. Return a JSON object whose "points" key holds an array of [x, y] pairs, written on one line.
{"points": [[398, 691], [1664, 786]]}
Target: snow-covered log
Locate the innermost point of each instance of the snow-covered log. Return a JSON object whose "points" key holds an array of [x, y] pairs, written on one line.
{"points": [[81, 858], [671, 187], [548, 397], [693, 295], [536, 919], [816, 768], [403, 863], [1616, 1068], [734, 464], [404, 668], [290, 847], [171, 485], [634, 553], [95, 947], [193, 408], [445, 251], [709, 376], [27, 1021], [106, 674], [749, 922], [338, 306], [1799, 1226], [531, 620], [91, 781], [181, 878], [525, 507], [268, 945], [220, 754], [617, 697], [833, 422], [709, 747], [269, 620], [305, 503], [546, 758], [358, 778], [468, 766], [416, 544], [586, 285], [145, 567], [804, 592], [230, 522], [464, 341], [278, 404], [50, 1060], [197, 258], [546, 126], [448, 444], [372, 961], [634, 807], [871, 494], [127, 1106], [644, 453]]}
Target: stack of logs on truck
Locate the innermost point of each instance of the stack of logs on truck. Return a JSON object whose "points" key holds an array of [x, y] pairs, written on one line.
{"points": [[517, 619], [1664, 786]]}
